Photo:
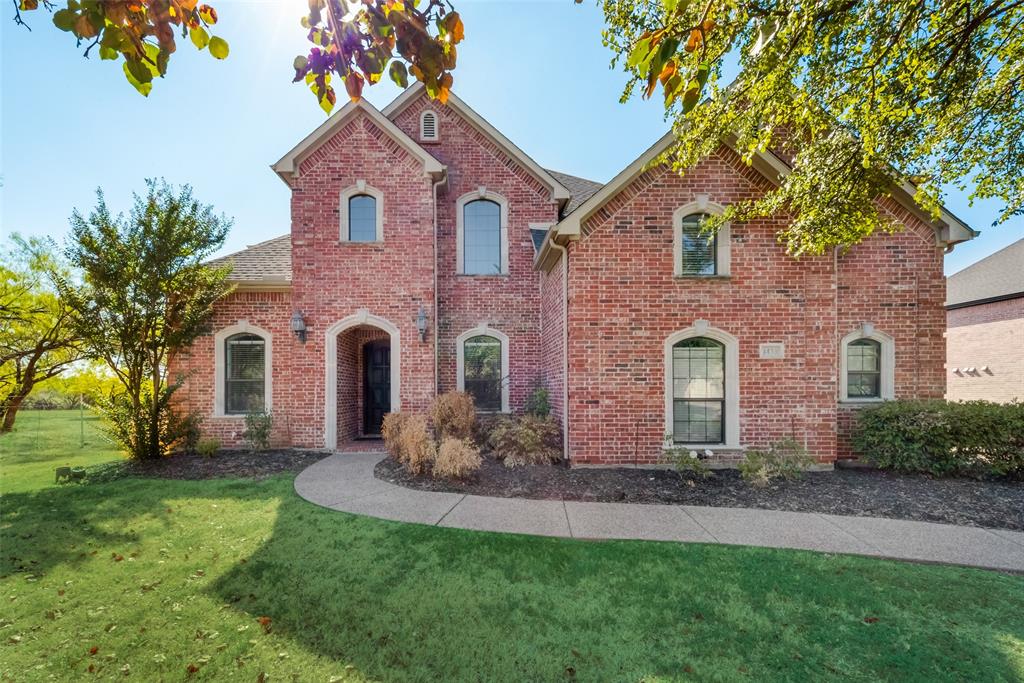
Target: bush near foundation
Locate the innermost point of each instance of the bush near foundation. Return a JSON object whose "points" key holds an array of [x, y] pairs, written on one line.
{"points": [[456, 459], [416, 445], [785, 459], [390, 428], [454, 415], [943, 438], [525, 440]]}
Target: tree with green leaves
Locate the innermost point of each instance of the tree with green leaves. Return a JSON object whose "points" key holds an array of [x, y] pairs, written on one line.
{"points": [[145, 292], [37, 340]]}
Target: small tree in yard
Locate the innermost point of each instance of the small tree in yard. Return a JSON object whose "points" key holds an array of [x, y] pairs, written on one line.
{"points": [[144, 293], [37, 340]]}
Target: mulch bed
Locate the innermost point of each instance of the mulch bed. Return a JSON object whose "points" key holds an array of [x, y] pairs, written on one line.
{"points": [[865, 493], [233, 464]]}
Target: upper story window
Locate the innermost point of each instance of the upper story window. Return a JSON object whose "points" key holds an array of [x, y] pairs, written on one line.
{"points": [[482, 368], [362, 218], [362, 213], [245, 378], [867, 365], [428, 126], [482, 238], [696, 253]]}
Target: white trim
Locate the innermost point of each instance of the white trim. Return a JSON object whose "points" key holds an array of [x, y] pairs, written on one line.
{"points": [[460, 205], [888, 375], [723, 249], [345, 195], [559, 192], [219, 362], [732, 381], [288, 166], [360, 317], [437, 122], [460, 363]]}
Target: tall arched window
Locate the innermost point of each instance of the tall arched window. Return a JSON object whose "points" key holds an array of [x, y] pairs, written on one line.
{"points": [[698, 251], [483, 375], [698, 391], [362, 218], [864, 369], [481, 235], [245, 374]]}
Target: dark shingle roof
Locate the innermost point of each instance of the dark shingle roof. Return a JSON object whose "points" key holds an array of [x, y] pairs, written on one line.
{"points": [[581, 189], [269, 261], [998, 275]]}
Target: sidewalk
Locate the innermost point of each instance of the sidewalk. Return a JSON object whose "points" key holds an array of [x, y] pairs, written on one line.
{"points": [[345, 482]]}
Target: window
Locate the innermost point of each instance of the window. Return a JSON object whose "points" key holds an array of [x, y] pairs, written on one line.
{"points": [[428, 126], [698, 391], [699, 251], [864, 369], [244, 381], [362, 218], [867, 365], [481, 251], [482, 368]]}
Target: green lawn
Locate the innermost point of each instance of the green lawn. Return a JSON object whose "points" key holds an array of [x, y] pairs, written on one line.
{"points": [[163, 577]]}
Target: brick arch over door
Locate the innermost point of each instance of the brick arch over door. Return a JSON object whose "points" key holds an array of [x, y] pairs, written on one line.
{"points": [[361, 317]]}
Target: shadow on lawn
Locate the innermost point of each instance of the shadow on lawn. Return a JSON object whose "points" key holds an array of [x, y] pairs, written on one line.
{"points": [[403, 601]]}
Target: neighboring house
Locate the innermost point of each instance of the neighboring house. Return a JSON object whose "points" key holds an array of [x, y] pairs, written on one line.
{"points": [[985, 328], [428, 253]]}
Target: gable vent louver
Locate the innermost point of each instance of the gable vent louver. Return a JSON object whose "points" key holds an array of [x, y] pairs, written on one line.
{"points": [[428, 126]]}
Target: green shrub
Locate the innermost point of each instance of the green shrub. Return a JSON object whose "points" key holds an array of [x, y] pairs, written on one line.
{"points": [[785, 459], [456, 459], [131, 424], [684, 459], [943, 438], [454, 415], [538, 402], [258, 427], [208, 448], [525, 440]]}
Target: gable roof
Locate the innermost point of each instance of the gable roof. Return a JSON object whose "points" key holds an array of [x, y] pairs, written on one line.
{"points": [[558, 191], [997, 276], [288, 166], [949, 229], [580, 188], [266, 264]]}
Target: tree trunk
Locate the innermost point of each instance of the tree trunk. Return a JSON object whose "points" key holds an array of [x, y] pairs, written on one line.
{"points": [[11, 406]]}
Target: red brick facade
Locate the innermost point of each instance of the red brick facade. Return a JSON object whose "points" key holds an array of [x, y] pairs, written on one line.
{"points": [[623, 299]]}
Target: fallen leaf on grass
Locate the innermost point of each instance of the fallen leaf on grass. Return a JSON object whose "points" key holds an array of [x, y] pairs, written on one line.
{"points": [[93, 650], [870, 620], [265, 623]]}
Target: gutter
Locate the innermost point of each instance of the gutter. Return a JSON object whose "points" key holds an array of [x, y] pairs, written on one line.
{"points": [[564, 255], [435, 185], [988, 300]]}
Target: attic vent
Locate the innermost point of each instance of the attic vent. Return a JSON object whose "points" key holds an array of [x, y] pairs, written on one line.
{"points": [[428, 126]]}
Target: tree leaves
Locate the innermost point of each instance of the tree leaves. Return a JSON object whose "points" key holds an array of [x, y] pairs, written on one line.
{"points": [[219, 47]]}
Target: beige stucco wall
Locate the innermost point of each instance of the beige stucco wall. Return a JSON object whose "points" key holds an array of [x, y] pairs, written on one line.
{"points": [[993, 348]]}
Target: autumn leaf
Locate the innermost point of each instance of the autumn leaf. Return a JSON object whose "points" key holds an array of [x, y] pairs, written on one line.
{"points": [[265, 623]]}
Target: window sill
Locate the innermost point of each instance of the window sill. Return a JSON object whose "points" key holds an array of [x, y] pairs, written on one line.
{"points": [[358, 242], [712, 278], [701, 447], [481, 275], [862, 401]]}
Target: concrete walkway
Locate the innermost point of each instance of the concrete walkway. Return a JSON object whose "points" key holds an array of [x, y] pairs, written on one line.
{"points": [[345, 482]]}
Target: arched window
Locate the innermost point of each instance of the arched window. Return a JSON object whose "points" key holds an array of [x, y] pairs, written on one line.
{"points": [[362, 218], [482, 368], [698, 251], [698, 391], [867, 365], [481, 234], [245, 374]]}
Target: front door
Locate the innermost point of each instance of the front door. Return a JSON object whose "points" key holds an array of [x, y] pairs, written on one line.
{"points": [[376, 385]]}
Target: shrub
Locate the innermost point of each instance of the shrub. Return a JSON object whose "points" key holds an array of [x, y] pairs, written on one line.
{"points": [[684, 459], [415, 445], [456, 459], [785, 459], [208, 448], [943, 438], [538, 402], [257, 431], [131, 425], [526, 440], [390, 429], [454, 415]]}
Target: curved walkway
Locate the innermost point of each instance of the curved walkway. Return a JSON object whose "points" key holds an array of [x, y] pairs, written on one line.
{"points": [[345, 482]]}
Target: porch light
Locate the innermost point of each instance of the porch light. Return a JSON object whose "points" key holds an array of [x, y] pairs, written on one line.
{"points": [[421, 323], [299, 326]]}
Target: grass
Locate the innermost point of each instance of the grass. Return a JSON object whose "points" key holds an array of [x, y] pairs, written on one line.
{"points": [[175, 580]]}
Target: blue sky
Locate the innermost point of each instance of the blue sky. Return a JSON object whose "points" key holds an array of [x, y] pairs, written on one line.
{"points": [[536, 70]]}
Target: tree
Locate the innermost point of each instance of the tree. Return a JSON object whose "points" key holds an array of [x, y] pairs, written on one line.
{"points": [[145, 292], [844, 89], [37, 341]]}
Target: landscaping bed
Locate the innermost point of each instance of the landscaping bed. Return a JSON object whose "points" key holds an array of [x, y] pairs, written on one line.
{"points": [[868, 493], [194, 467]]}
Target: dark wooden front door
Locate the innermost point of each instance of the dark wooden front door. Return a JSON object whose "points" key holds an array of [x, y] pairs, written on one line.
{"points": [[376, 385]]}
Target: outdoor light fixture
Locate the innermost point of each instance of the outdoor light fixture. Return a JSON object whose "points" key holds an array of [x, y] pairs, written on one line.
{"points": [[299, 326], [421, 323]]}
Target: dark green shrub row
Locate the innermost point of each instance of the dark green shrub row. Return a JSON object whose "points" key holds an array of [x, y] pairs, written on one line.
{"points": [[944, 438]]}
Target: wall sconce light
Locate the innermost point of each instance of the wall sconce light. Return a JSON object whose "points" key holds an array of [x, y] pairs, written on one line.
{"points": [[299, 326], [421, 323]]}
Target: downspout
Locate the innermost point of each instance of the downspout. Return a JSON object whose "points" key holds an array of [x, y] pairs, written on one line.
{"points": [[436, 184], [564, 258]]}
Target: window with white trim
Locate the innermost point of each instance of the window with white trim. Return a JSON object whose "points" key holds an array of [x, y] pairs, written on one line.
{"points": [[482, 368], [481, 233], [867, 366], [362, 218], [698, 391], [696, 253], [245, 374]]}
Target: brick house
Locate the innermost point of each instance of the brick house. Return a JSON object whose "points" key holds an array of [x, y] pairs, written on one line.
{"points": [[985, 328], [427, 253]]}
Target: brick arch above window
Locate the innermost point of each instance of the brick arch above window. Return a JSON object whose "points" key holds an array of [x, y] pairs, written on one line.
{"points": [[220, 339], [360, 188], [702, 205]]}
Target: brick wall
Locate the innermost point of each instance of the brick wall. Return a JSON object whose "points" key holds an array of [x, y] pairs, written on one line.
{"points": [[990, 339], [351, 377], [552, 321]]}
